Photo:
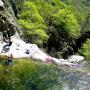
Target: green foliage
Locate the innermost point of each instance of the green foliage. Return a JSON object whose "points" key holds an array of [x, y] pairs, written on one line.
{"points": [[27, 75], [53, 22], [33, 23], [79, 8], [68, 22], [38, 15], [85, 50], [86, 24]]}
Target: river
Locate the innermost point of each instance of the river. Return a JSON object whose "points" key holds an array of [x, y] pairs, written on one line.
{"points": [[73, 78]]}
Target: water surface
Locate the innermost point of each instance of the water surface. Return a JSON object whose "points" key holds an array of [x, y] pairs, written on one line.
{"points": [[76, 78]]}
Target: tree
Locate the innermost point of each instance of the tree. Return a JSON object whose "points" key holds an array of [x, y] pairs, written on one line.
{"points": [[68, 22], [85, 49], [33, 24]]}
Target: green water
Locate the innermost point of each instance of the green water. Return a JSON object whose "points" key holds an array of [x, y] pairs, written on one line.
{"points": [[77, 78]]}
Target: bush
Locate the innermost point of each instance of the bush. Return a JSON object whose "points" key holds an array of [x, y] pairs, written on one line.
{"points": [[85, 50], [27, 75], [33, 24], [3, 57], [66, 23]]}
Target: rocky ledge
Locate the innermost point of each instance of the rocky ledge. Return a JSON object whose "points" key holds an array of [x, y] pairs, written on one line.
{"points": [[19, 49]]}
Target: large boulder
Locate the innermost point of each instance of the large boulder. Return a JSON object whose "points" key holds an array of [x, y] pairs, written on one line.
{"points": [[75, 59]]}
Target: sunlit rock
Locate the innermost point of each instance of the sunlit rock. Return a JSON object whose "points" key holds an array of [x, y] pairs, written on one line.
{"points": [[75, 58], [1, 3], [1, 6], [20, 49]]}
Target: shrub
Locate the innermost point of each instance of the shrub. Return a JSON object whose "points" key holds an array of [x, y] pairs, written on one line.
{"points": [[3, 57], [33, 24], [85, 50], [27, 75]]}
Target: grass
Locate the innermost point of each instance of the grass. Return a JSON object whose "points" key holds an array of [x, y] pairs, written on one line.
{"points": [[26, 74]]}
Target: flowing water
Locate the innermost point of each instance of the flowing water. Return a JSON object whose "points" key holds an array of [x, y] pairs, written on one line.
{"points": [[74, 78]]}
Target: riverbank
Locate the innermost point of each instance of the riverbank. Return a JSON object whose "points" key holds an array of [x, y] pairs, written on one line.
{"points": [[26, 74], [19, 49]]}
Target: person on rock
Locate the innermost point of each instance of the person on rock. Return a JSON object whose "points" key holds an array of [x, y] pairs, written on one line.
{"points": [[27, 51], [9, 42], [9, 60], [8, 34]]}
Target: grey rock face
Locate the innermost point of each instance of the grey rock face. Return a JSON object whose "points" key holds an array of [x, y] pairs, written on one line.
{"points": [[7, 20]]}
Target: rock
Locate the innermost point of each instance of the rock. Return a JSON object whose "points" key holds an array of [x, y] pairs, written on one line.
{"points": [[18, 49], [1, 6], [1, 3], [75, 59]]}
